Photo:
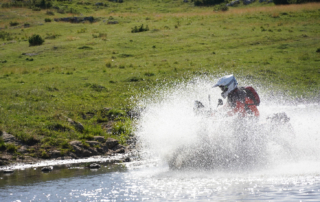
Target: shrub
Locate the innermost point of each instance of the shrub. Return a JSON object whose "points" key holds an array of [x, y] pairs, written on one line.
{"points": [[27, 138], [277, 2], [318, 50], [134, 79], [85, 47], [108, 64], [95, 87], [47, 20], [36, 9], [50, 13], [14, 24], [113, 114], [207, 2], [35, 40], [44, 4], [82, 30], [44, 154], [11, 148], [2, 144], [139, 29], [58, 127], [4, 35], [149, 74]]}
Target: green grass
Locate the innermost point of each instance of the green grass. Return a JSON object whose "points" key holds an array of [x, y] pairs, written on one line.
{"points": [[83, 68]]}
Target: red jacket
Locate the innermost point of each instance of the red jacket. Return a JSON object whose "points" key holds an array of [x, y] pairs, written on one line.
{"points": [[241, 104]]}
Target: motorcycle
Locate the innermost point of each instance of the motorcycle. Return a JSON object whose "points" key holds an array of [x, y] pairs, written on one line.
{"points": [[231, 143]]}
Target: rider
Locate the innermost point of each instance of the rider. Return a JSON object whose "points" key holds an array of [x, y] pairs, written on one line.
{"points": [[238, 100]]}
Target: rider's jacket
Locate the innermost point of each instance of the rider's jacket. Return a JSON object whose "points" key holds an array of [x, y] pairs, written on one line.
{"points": [[241, 104]]}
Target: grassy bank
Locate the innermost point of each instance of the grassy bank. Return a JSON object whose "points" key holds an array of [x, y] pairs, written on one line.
{"points": [[84, 69]]}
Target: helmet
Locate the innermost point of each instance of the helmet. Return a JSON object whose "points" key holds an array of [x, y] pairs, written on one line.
{"points": [[227, 84]]}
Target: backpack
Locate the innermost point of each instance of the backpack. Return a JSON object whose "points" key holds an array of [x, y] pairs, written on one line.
{"points": [[252, 94]]}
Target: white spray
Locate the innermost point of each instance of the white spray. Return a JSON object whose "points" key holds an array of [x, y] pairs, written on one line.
{"points": [[169, 128]]}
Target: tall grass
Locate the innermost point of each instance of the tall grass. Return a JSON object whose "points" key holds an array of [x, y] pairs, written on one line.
{"points": [[275, 45]]}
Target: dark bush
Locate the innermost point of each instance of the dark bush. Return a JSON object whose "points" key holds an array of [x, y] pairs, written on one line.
{"points": [[47, 20], [85, 47], [11, 148], [318, 50], [139, 29], [44, 4], [50, 13], [35, 40], [14, 24], [58, 127], [277, 2], [207, 2], [95, 87], [36, 9], [4, 35], [149, 74], [2, 144], [134, 79]]}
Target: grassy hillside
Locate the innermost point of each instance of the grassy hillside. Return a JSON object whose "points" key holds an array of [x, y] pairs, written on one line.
{"points": [[82, 68]]}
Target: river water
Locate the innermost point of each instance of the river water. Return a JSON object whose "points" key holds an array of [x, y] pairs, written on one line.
{"points": [[286, 164]]}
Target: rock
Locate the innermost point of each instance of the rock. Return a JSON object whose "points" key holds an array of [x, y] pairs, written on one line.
{"points": [[93, 151], [55, 154], [111, 143], [73, 155], [99, 139], [127, 159], [78, 150], [47, 169], [8, 171], [86, 153], [76, 142], [119, 149], [64, 158], [246, 2], [8, 138], [94, 165], [23, 149], [92, 143], [78, 126], [233, 3], [112, 22]]}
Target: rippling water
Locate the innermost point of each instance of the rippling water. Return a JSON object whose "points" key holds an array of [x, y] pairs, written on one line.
{"points": [[289, 160], [158, 183]]}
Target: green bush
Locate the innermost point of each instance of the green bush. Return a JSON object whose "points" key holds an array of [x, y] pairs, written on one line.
{"points": [[11, 148], [44, 154], [2, 144], [35, 40], [47, 20], [27, 138], [318, 50]]}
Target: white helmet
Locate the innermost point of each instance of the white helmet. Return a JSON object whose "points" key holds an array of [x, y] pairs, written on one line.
{"points": [[227, 84]]}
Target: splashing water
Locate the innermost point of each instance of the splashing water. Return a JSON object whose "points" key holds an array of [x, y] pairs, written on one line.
{"points": [[169, 129]]}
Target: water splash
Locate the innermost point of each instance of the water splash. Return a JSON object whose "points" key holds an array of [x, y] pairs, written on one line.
{"points": [[170, 129]]}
